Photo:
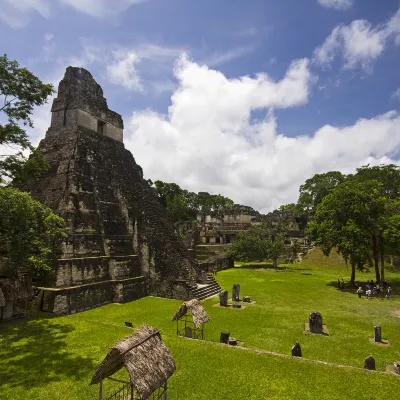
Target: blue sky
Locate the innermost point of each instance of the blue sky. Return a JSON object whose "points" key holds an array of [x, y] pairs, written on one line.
{"points": [[244, 98]]}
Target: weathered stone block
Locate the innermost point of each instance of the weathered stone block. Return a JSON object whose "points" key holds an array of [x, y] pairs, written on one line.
{"points": [[236, 292], [296, 350], [315, 322], [223, 298], [377, 333], [224, 338], [369, 363]]}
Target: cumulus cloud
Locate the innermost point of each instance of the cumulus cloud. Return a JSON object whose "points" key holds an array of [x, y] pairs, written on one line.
{"points": [[337, 4], [359, 43], [209, 142], [122, 71]]}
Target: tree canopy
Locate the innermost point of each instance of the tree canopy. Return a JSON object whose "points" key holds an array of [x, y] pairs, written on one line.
{"points": [[21, 91], [30, 234]]}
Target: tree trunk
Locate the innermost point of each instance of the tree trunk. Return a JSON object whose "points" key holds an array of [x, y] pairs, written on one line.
{"points": [[275, 263], [375, 253], [382, 265], [353, 273]]}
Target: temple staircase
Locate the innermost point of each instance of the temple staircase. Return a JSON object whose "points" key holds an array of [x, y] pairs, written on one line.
{"points": [[204, 290]]}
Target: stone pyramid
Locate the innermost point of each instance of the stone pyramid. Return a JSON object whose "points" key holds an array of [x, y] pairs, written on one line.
{"points": [[120, 246]]}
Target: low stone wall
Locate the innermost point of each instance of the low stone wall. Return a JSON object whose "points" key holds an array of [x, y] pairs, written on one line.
{"points": [[219, 264], [84, 297], [79, 271]]}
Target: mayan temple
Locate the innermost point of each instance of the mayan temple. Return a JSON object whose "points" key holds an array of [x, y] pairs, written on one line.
{"points": [[120, 247]]}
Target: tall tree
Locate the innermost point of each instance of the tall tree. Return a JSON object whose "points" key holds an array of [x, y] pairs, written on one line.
{"points": [[360, 209], [316, 188], [21, 91]]}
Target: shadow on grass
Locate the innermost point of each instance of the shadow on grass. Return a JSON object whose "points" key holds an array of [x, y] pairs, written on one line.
{"points": [[280, 268], [349, 288], [34, 353]]}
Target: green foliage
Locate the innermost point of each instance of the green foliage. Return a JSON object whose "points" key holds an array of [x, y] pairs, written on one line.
{"points": [[358, 219], [22, 91], [316, 188], [181, 205], [260, 242], [30, 234]]}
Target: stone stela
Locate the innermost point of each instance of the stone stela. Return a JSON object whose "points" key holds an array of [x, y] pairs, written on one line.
{"points": [[315, 322], [236, 292], [296, 350], [223, 298], [377, 333], [120, 246], [369, 363]]}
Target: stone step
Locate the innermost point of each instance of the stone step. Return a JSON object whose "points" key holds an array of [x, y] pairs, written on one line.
{"points": [[206, 291]]}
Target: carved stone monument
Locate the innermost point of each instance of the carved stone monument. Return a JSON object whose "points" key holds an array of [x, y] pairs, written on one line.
{"points": [[223, 298], [369, 363], [232, 341], [188, 332], [296, 350], [224, 338], [377, 333], [120, 246], [236, 292], [315, 322]]}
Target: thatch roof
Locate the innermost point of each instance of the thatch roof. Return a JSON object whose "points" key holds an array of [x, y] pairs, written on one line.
{"points": [[2, 299], [196, 309], [145, 357]]}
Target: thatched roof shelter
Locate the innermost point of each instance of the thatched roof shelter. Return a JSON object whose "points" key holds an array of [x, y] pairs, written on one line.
{"points": [[197, 311], [145, 357], [2, 299]]}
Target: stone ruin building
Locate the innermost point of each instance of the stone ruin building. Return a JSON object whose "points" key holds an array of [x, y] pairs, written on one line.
{"points": [[120, 246], [214, 234]]}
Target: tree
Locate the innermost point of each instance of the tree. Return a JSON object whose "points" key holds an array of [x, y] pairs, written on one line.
{"points": [[259, 243], [21, 91], [347, 238], [316, 188], [358, 216], [30, 234]]}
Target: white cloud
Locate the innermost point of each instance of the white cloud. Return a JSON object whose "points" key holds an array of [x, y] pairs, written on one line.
{"points": [[337, 4], [221, 58], [359, 43], [208, 141], [101, 8], [122, 66], [122, 71], [16, 13], [396, 94]]}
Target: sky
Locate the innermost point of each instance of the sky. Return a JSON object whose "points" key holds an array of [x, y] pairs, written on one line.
{"points": [[247, 99]]}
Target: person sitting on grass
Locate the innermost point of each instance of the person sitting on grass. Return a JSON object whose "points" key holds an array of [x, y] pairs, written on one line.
{"points": [[369, 294], [359, 292]]}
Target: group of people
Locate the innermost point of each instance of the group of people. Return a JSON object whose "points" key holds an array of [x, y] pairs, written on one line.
{"points": [[372, 290]]}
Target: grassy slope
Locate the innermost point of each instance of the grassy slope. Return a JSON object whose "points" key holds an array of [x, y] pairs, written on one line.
{"points": [[54, 357]]}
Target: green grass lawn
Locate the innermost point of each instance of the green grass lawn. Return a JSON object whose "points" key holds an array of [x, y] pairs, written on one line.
{"points": [[50, 357]]}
